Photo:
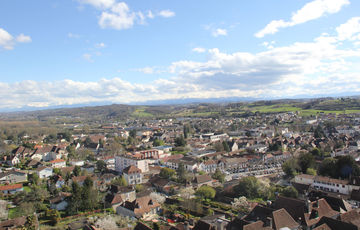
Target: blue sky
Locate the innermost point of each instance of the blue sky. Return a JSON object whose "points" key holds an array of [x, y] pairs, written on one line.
{"points": [[68, 52]]}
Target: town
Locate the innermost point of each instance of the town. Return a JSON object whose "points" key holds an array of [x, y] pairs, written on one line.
{"points": [[252, 170]]}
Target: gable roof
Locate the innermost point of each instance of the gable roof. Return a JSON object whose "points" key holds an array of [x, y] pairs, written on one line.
{"points": [[141, 205], [10, 187], [283, 219], [131, 170], [200, 179]]}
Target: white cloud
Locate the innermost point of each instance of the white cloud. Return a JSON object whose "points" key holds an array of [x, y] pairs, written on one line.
{"points": [[23, 39], [146, 70], [219, 32], [7, 41], [117, 15], [72, 35], [120, 17], [150, 14], [88, 57], [166, 13], [102, 4], [349, 30], [310, 11], [199, 50], [100, 45]]}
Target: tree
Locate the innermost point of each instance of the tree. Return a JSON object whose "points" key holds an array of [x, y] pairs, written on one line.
{"points": [[180, 141], [346, 166], [319, 132], [77, 170], [274, 147], [119, 181], [71, 150], [34, 178], [158, 142], [75, 200], [328, 167], [167, 173], [156, 226], [226, 146], [181, 173], [316, 152], [305, 161], [186, 130], [218, 175], [205, 192], [248, 187], [290, 191], [290, 167], [139, 188], [101, 166], [311, 171], [132, 133], [219, 147], [53, 216]]}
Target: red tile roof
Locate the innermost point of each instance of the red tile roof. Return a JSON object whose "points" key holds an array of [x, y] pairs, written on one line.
{"points": [[57, 161], [10, 187]]}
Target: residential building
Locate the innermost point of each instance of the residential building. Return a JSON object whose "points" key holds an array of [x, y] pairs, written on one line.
{"points": [[11, 188], [140, 208], [44, 172], [133, 175]]}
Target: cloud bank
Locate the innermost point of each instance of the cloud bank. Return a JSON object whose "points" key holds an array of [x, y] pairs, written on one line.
{"points": [[328, 64]]}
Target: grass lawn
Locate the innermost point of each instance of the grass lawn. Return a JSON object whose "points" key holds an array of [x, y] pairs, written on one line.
{"points": [[141, 113], [27, 189], [14, 212]]}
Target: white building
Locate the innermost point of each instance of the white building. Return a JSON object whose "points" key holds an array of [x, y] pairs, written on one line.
{"points": [[44, 172], [58, 163], [121, 162], [132, 175], [326, 184]]}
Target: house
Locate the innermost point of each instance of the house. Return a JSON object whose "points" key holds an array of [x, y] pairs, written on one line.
{"points": [[133, 175], [121, 162], [77, 162], [216, 222], [163, 185], [59, 202], [141, 207], [264, 218], [44, 172], [89, 168], [235, 165], [58, 163], [327, 184], [308, 212], [11, 189], [15, 223], [81, 179], [13, 176], [59, 181], [208, 166], [12, 159], [127, 193], [201, 180]]}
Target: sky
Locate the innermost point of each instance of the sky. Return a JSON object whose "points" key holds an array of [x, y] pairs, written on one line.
{"points": [[74, 52]]}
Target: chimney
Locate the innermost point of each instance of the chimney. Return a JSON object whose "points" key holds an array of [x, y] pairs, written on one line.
{"points": [[219, 224], [308, 205], [186, 225], [269, 222]]}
